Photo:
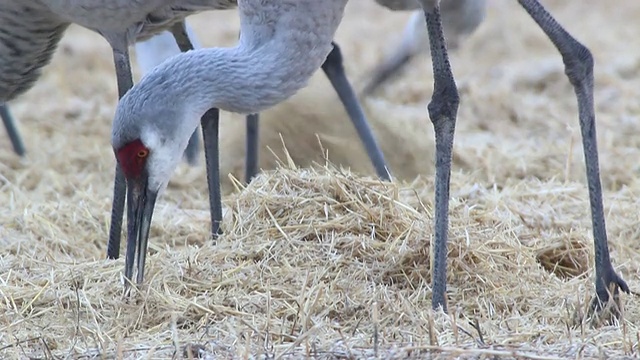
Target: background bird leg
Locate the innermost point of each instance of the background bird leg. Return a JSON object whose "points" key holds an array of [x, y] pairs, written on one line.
{"points": [[125, 82], [12, 130], [210, 122], [443, 110], [179, 32], [460, 18], [334, 70], [578, 63], [253, 133], [390, 67]]}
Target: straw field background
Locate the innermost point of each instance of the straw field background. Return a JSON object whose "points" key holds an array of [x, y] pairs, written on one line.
{"points": [[329, 263]]}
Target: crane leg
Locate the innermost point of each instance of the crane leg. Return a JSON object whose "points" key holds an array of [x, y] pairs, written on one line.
{"points": [[193, 148], [253, 133], [210, 126], [179, 32], [387, 69], [117, 214], [578, 63], [334, 70], [408, 48], [125, 82], [12, 130], [443, 110]]}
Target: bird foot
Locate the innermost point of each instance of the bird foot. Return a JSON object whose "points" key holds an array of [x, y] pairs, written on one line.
{"points": [[606, 307]]}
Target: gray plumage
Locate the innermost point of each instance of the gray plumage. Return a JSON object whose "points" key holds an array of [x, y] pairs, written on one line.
{"points": [[138, 19], [29, 35]]}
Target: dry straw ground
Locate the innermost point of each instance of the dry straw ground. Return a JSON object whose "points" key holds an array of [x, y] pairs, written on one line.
{"points": [[325, 263]]}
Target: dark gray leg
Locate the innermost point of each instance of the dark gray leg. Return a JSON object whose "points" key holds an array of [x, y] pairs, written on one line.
{"points": [[334, 70], [578, 63], [12, 130], [251, 167], [182, 39], [443, 110], [210, 126], [125, 82], [252, 146]]}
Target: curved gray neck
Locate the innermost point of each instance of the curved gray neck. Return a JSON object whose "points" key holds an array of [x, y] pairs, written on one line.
{"points": [[282, 43], [237, 80]]}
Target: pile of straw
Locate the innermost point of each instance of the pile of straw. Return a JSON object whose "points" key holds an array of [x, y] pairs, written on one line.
{"points": [[323, 263]]}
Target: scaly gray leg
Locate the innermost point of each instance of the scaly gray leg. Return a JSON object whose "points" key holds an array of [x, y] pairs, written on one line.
{"points": [[12, 130], [251, 166], [334, 71], [443, 110], [210, 125], [179, 32], [578, 63], [125, 82]]}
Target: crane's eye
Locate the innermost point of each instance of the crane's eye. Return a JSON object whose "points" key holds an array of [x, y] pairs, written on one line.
{"points": [[132, 157]]}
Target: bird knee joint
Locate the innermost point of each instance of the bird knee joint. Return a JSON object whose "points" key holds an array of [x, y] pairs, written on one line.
{"points": [[578, 63], [444, 103], [429, 4], [334, 59]]}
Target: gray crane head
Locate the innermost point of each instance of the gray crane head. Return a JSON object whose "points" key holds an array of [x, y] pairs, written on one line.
{"points": [[149, 137]]}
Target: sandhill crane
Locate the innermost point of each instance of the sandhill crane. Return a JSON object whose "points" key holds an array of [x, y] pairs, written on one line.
{"points": [[155, 50], [281, 45], [36, 36], [443, 110], [459, 19]]}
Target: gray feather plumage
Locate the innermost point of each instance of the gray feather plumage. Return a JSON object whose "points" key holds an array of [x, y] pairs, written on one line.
{"points": [[29, 36]]}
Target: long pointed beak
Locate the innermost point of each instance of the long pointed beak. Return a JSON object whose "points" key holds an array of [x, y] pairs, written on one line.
{"points": [[140, 204]]}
